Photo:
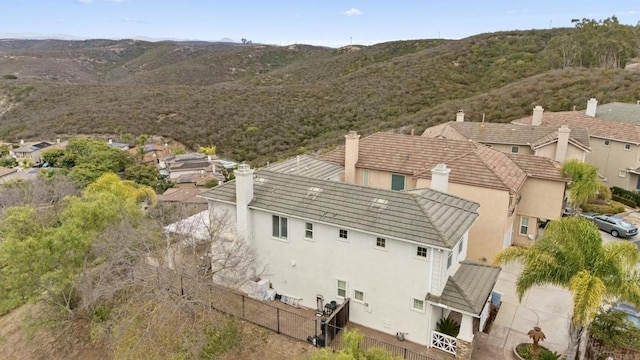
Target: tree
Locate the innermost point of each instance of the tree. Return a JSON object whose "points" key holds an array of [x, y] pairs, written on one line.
{"points": [[570, 254], [536, 335], [207, 150], [585, 183], [352, 340]]}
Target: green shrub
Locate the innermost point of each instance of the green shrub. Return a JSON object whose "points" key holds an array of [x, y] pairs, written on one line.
{"points": [[624, 200], [101, 313], [613, 207], [8, 162], [631, 195], [448, 326], [9, 77], [220, 339], [211, 183]]}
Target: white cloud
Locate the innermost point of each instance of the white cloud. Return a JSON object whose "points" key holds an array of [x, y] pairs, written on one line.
{"points": [[352, 12], [85, 1]]}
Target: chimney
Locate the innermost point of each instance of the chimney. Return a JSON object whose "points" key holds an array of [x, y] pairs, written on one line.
{"points": [[58, 141], [563, 143], [460, 116], [244, 196], [110, 141], [209, 158], [440, 178], [21, 141], [536, 119], [592, 105], [352, 140]]}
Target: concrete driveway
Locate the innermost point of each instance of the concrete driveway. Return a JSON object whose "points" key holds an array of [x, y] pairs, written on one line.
{"points": [[548, 307]]}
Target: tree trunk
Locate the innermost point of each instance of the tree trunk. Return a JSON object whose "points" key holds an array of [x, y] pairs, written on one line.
{"points": [[575, 335]]}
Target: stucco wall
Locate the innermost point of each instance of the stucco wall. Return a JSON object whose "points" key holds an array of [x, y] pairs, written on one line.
{"points": [[505, 148], [549, 151], [381, 179], [613, 158], [541, 198], [390, 278]]}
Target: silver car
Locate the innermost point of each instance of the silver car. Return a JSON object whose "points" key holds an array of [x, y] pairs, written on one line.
{"points": [[615, 225]]}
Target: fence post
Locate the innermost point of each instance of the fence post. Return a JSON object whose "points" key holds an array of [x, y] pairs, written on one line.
{"points": [[278, 318], [243, 307], [405, 353]]}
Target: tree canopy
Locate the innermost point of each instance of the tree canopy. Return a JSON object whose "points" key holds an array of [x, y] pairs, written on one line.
{"points": [[571, 255], [585, 183]]}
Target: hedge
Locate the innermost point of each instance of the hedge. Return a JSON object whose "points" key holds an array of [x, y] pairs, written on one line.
{"points": [[631, 195], [624, 200], [613, 207]]}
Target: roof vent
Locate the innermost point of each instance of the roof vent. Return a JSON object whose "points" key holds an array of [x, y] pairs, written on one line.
{"points": [[260, 180], [379, 204], [313, 192]]}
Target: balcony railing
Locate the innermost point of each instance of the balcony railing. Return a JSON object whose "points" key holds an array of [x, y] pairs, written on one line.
{"points": [[443, 342]]}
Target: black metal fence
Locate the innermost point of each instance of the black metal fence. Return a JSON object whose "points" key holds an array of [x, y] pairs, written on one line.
{"points": [[370, 343], [263, 314]]}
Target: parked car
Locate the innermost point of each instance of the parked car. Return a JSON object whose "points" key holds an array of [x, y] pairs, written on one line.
{"points": [[614, 225], [633, 314]]}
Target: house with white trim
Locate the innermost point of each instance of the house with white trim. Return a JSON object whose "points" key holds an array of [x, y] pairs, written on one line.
{"points": [[399, 256]]}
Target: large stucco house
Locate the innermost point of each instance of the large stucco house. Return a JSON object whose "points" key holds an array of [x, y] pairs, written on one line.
{"points": [[515, 192], [615, 144], [399, 256], [559, 143]]}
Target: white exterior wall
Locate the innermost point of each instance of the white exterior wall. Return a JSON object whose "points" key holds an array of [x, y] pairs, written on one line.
{"points": [[390, 278]]}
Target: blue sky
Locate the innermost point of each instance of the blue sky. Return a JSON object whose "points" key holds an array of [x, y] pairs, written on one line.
{"points": [[282, 22]]}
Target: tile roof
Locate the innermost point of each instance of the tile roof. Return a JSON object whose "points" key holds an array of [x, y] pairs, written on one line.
{"points": [[469, 288], [500, 133], [308, 166], [597, 127], [619, 112], [470, 163], [184, 195], [425, 216], [539, 167]]}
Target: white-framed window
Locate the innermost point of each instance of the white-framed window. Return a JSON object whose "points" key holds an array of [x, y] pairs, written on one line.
{"points": [[627, 146], [343, 234], [524, 225], [308, 231], [365, 177], [460, 246], [449, 259], [622, 173], [341, 288], [279, 227], [358, 295], [381, 243], [606, 143], [422, 252], [397, 182], [515, 149], [417, 304]]}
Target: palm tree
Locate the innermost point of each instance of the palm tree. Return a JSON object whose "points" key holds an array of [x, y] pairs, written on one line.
{"points": [[585, 183], [571, 255], [536, 335]]}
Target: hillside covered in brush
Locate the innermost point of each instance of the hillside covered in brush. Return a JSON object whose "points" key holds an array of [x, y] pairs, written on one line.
{"points": [[259, 103]]}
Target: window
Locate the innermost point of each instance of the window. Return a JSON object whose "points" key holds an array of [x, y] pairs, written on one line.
{"points": [[279, 227], [358, 295], [397, 182], [343, 234], [342, 289], [524, 225], [460, 245], [606, 143], [627, 146], [449, 259], [422, 251], [365, 177], [308, 231], [417, 304], [488, 145], [381, 243], [515, 149], [622, 173]]}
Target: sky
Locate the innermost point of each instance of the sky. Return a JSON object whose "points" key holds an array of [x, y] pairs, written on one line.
{"points": [[331, 23]]}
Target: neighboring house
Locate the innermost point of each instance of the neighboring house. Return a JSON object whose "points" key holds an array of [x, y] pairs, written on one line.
{"points": [[117, 145], [557, 143], [186, 164], [197, 179], [33, 150], [619, 112], [495, 180], [187, 200], [152, 153], [309, 166], [615, 145], [399, 256]]}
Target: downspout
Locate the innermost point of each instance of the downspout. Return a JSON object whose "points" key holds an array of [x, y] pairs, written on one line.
{"points": [[430, 270]]}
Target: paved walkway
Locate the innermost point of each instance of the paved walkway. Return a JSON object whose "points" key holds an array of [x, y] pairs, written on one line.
{"points": [[548, 307]]}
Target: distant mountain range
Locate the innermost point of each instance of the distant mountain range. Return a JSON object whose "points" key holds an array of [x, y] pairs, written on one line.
{"points": [[37, 36], [260, 103]]}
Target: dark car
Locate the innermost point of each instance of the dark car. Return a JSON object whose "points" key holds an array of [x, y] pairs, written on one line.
{"points": [[614, 225]]}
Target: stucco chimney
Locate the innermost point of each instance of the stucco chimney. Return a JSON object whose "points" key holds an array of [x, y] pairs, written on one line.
{"points": [[351, 148], [460, 116], [109, 141], [563, 143], [440, 178], [21, 141], [536, 119], [58, 141], [592, 105], [244, 195]]}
